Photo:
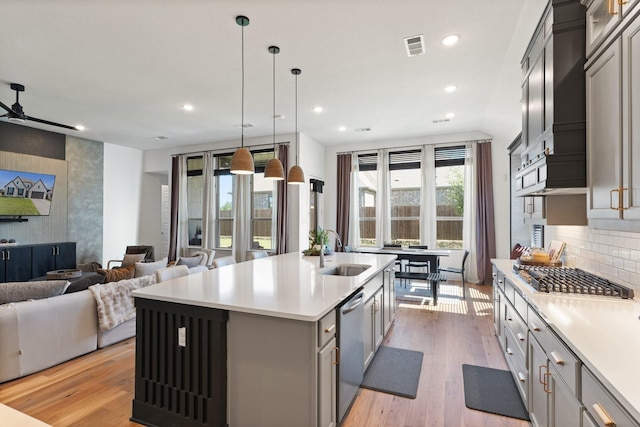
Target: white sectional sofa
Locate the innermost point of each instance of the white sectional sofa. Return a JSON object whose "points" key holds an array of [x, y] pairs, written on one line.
{"points": [[40, 333]]}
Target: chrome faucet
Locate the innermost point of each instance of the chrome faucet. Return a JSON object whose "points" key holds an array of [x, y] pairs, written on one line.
{"points": [[337, 237]]}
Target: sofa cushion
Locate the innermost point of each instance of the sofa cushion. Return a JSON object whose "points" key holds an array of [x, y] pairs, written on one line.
{"points": [[131, 259], [22, 291], [190, 261], [148, 268], [117, 274], [84, 283]]}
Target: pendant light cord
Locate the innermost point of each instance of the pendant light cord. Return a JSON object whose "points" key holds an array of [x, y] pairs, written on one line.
{"points": [[242, 97], [274, 99], [297, 142]]}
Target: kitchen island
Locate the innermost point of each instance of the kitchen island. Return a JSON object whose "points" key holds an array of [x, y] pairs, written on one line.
{"points": [[251, 344]]}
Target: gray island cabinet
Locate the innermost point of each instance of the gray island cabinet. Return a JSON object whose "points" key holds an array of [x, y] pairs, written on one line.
{"points": [[252, 344]]}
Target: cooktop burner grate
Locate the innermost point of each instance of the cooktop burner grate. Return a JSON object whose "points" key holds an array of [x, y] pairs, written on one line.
{"points": [[570, 280]]}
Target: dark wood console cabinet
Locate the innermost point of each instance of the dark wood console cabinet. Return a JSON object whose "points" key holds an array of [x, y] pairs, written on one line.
{"points": [[53, 256], [24, 262]]}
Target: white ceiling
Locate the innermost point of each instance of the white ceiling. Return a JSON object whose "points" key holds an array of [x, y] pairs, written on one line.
{"points": [[124, 68]]}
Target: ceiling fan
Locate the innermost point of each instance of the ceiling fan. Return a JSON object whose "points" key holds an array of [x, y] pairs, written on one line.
{"points": [[16, 114]]}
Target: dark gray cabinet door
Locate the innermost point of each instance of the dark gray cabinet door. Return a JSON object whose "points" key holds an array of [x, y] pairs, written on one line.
{"points": [[15, 264], [54, 256]]}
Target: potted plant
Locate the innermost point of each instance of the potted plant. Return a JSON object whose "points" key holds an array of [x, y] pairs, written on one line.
{"points": [[318, 239]]}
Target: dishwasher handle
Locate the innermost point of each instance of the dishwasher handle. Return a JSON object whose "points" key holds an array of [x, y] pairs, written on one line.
{"points": [[353, 303]]}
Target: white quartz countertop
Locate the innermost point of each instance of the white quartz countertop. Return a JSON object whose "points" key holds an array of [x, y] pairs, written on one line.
{"points": [[604, 332], [289, 286]]}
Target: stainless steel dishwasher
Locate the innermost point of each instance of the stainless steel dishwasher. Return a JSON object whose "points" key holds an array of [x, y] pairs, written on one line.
{"points": [[351, 345]]}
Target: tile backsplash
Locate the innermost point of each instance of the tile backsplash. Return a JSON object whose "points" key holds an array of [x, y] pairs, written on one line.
{"points": [[614, 255]]}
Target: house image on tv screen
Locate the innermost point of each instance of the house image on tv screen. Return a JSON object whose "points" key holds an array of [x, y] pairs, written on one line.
{"points": [[23, 193]]}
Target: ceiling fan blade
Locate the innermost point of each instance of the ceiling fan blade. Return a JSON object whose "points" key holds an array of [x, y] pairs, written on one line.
{"points": [[9, 110], [47, 122]]}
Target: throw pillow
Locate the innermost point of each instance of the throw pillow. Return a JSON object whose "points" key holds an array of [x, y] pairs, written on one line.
{"points": [[131, 259], [147, 268], [22, 291], [84, 283], [117, 274], [193, 261]]}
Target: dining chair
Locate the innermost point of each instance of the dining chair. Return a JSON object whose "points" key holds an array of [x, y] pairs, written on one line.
{"points": [[256, 255], [456, 270], [417, 264], [222, 261]]}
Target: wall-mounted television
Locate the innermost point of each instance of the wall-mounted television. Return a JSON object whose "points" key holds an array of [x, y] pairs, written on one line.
{"points": [[25, 193]]}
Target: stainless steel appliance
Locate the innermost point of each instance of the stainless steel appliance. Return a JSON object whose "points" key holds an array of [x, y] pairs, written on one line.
{"points": [[570, 280], [351, 345]]}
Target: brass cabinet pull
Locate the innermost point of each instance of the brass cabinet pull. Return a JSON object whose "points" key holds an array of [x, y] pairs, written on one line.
{"points": [[522, 377], [509, 351], [622, 2], [337, 362], [602, 414], [546, 383], [520, 336], [329, 329], [541, 375], [556, 358], [535, 327], [612, 8], [620, 191]]}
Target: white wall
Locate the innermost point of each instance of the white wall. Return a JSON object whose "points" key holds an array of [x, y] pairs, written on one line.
{"points": [[122, 199]]}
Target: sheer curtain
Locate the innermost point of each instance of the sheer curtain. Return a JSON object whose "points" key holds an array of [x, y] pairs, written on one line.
{"points": [[428, 228], [183, 213], [383, 200], [208, 201], [343, 196], [470, 207], [241, 217], [354, 203]]}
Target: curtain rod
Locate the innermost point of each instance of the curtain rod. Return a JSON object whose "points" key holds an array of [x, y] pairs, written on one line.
{"points": [[413, 147], [221, 150]]}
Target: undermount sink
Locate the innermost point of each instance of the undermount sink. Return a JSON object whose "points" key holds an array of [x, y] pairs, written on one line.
{"points": [[346, 270]]}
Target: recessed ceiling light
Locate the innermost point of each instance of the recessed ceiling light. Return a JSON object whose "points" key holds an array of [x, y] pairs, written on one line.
{"points": [[317, 109], [79, 127], [187, 107], [450, 115], [450, 88], [342, 128], [450, 40]]}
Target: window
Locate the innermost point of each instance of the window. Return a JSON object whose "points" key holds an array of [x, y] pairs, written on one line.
{"points": [[449, 196], [262, 201], [405, 184], [261, 204], [367, 188]]}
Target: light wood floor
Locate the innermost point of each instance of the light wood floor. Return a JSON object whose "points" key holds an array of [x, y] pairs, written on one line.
{"points": [[97, 389]]}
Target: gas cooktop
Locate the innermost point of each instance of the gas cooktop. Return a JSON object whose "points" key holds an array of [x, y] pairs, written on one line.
{"points": [[570, 280]]}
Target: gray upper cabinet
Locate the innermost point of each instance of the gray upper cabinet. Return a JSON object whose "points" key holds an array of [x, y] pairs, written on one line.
{"points": [[613, 108], [553, 159]]}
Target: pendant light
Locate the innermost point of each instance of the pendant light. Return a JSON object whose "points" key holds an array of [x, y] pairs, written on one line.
{"points": [[273, 169], [296, 174], [242, 160]]}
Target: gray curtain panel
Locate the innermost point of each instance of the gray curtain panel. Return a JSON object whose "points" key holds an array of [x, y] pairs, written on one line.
{"points": [[485, 223], [175, 202], [282, 218], [344, 194]]}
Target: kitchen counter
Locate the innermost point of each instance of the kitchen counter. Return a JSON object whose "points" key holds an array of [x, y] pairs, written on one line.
{"points": [[604, 332], [288, 286]]}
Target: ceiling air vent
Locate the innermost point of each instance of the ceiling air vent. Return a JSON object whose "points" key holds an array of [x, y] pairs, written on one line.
{"points": [[440, 120], [246, 125], [414, 45]]}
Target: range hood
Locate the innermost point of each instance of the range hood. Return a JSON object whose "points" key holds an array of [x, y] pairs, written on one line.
{"points": [[552, 174]]}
